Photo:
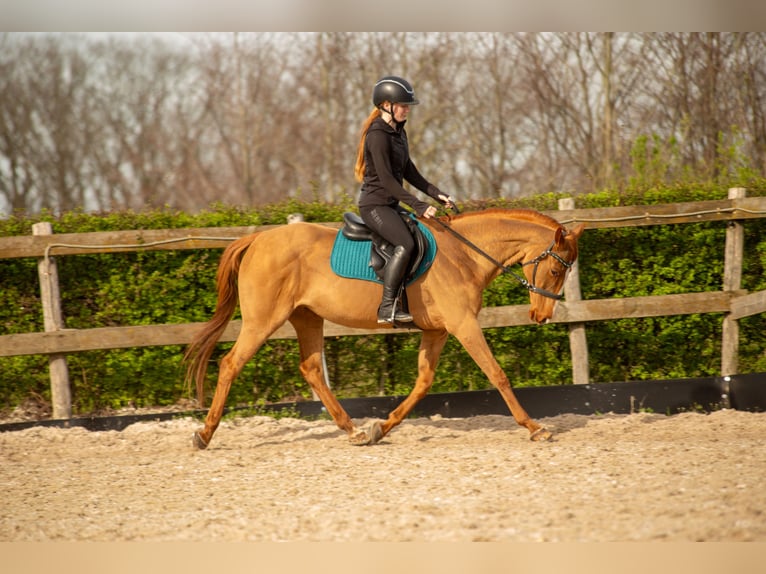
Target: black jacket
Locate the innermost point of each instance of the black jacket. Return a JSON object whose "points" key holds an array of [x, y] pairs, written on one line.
{"points": [[387, 165]]}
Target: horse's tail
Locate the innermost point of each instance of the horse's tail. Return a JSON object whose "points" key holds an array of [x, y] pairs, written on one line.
{"points": [[200, 349]]}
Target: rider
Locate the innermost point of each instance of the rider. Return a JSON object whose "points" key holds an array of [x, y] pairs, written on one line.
{"points": [[382, 163]]}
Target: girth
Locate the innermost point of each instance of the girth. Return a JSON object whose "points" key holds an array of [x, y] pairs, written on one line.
{"points": [[381, 250]]}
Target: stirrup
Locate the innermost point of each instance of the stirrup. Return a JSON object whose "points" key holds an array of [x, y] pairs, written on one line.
{"points": [[400, 318], [396, 316]]}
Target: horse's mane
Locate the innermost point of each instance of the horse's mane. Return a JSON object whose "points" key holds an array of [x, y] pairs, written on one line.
{"points": [[529, 215]]}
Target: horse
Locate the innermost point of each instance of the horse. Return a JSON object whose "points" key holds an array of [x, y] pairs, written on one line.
{"points": [[283, 274]]}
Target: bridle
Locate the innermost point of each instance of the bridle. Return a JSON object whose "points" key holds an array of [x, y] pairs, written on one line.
{"points": [[535, 262], [530, 286]]}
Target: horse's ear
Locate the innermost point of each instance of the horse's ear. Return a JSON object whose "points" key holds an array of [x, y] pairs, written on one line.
{"points": [[558, 237], [577, 231], [563, 232]]}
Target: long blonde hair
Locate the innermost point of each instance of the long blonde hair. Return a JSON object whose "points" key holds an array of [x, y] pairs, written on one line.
{"points": [[359, 168]]}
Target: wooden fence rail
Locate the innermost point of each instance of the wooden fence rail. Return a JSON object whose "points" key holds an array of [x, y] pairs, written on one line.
{"points": [[732, 301]]}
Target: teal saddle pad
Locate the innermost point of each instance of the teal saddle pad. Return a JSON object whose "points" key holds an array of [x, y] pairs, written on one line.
{"points": [[351, 259]]}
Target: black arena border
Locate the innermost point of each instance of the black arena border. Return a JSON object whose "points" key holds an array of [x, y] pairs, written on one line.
{"points": [[740, 392]]}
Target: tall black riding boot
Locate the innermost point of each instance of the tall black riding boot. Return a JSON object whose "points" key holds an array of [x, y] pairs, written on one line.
{"points": [[389, 311]]}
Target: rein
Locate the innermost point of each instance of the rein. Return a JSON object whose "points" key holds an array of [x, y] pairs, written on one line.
{"points": [[507, 270]]}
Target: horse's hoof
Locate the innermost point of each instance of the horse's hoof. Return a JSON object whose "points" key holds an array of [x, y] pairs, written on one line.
{"points": [[376, 432], [359, 438], [197, 442], [371, 435], [540, 435]]}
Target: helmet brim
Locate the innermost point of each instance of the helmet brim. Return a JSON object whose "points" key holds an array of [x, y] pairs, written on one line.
{"points": [[413, 102]]}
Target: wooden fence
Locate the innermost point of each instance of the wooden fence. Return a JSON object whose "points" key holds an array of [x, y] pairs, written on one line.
{"points": [[731, 300]]}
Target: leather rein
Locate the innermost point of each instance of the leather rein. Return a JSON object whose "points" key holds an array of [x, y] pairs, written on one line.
{"points": [[507, 270]]}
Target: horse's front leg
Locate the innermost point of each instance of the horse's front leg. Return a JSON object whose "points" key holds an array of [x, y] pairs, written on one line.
{"points": [[431, 346], [472, 338]]}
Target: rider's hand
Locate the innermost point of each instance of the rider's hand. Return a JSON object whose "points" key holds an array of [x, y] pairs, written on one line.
{"points": [[448, 202], [430, 212]]}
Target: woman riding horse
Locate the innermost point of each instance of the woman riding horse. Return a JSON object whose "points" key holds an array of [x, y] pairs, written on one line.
{"points": [[382, 164]]}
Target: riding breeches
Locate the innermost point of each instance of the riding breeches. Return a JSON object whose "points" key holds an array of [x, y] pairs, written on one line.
{"points": [[387, 222]]}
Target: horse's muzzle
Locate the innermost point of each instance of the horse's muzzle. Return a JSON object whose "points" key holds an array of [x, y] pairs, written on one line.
{"points": [[540, 316]]}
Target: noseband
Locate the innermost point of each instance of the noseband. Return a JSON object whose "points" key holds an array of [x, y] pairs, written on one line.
{"points": [[531, 287]]}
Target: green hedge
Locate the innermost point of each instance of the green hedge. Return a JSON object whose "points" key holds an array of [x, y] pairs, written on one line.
{"points": [[178, 286]]}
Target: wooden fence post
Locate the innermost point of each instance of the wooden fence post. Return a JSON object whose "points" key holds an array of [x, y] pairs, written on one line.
{"points": [[578, 342], [732, 279], [50, 296]]}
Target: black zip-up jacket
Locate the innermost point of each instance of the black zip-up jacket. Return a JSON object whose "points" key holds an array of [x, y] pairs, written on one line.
{"points": [[387, 165]]}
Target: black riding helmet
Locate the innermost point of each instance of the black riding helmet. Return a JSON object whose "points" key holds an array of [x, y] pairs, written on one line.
{"points": [[395, 90]]}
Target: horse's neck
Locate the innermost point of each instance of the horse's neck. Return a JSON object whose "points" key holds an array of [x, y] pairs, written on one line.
{"points": [[503, 232], [503, 237]]}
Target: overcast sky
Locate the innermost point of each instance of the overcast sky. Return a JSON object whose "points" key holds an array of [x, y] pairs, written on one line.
{"points": [[391, 15]]}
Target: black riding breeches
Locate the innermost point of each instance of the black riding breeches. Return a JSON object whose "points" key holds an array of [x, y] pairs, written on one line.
{"points": [[388, 223]]}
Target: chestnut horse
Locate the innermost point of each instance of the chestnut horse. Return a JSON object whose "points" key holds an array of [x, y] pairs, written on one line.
{"points": [[283, 274]]}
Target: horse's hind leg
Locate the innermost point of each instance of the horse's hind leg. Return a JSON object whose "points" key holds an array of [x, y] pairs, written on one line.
{"points": [[248, 342], [309, 328]]}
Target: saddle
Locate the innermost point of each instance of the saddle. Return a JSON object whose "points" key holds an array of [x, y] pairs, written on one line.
{"points": [[381, 250]]}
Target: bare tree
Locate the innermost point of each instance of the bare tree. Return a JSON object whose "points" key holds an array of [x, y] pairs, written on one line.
{"points": [[105, 122], [43, 107], [249, 103], [136, 112], [559, 77], [17, 176], [582, 89], [749, 87], [697, 93], [487, 107]]}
